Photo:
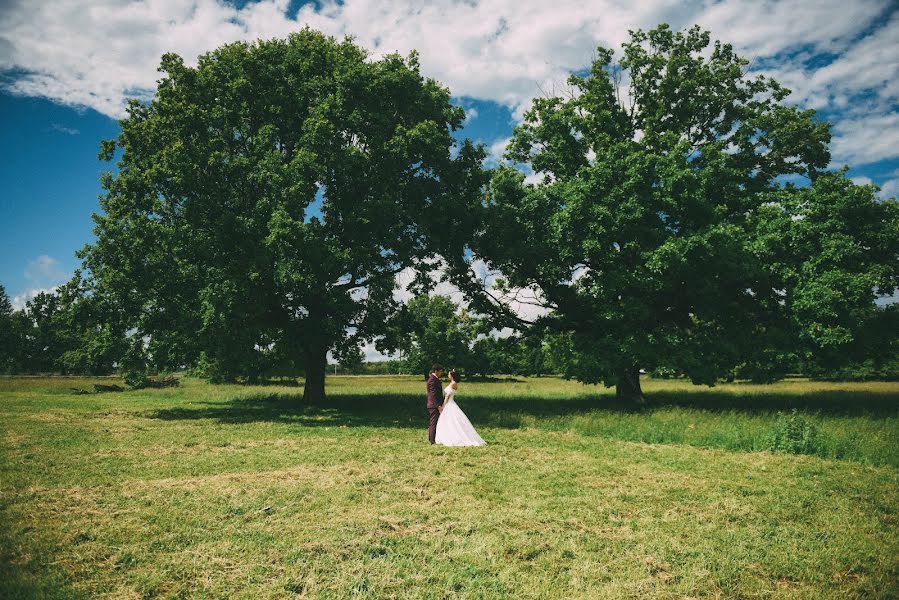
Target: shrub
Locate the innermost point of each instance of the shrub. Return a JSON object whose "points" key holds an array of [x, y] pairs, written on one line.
{"points": [[136, 380], [794, 434]]}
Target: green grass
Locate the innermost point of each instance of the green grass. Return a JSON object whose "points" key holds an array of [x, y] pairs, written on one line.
{"points": [[239, 491]]}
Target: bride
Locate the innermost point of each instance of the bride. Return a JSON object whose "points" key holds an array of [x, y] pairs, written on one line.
{"points": [[453, 427]]}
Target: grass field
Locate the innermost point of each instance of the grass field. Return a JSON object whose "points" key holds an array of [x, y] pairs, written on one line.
{"points": [[238, 491]]}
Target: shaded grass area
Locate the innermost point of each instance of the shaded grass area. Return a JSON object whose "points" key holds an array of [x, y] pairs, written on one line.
{"points": [[858, 422], [224, 491]]}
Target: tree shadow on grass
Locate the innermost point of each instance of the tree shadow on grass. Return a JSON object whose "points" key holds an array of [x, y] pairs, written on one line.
{"points": [[833, 403], [272, 383], [372, 410], [24, 568], [408, 410]]}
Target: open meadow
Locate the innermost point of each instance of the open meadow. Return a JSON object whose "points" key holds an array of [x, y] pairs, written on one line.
{"points": [[215, 491]]}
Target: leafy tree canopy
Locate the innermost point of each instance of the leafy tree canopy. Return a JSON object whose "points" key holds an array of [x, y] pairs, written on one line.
{"points": [[60, 331], [830, 249], [266, 198], [658, 176]]}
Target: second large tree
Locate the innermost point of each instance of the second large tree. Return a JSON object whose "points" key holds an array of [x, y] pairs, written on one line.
{"points": [[642, 232]]}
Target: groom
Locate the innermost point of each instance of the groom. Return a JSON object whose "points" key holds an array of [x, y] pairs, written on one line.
{"points": [[434, 399]]}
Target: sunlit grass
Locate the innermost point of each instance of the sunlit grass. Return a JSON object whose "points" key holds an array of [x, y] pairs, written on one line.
{"points": [[223, 491]]}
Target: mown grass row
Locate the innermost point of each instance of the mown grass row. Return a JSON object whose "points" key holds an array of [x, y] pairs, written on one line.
{"points": [[858, 422], [240, 491]]}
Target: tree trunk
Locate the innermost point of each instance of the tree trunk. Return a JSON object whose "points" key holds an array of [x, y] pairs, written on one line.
{"points": [[628, 386], [314, 387]]}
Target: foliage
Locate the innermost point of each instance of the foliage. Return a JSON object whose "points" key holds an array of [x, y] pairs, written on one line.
{"points": [[89, 340], [432, 329], [883, 367], [662, 372], [5, 304], [829, 249], [10, 337], [381, 367], [61, 331], [136, 380], [767, 365], [652, 231], [352, 361], [526, 355], [265, 200]]}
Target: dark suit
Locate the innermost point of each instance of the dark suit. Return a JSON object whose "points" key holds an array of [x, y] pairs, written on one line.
{"points": [[434, 393]]}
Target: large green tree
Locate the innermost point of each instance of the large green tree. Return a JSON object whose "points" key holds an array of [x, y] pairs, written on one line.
{"points": [[641, 234], [266, 198]]}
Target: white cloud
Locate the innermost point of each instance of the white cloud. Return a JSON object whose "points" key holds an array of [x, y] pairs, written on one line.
{"points": [[63, 129], [858, 91], [19, 300], [442, 288], [44, 271], [871, 65], [890, 189], [403, 279], [866, 139], [496, 150], [527, 303], [44, 274], [887, 300], [373, 355], [760, 29], [370, 353], [98, 53], [533, 178]]}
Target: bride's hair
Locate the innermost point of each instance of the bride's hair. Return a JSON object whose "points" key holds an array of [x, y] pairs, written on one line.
{"points": [[454, 374]]}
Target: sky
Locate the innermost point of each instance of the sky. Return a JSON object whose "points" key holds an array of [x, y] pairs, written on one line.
{"points": [[68, 66]]}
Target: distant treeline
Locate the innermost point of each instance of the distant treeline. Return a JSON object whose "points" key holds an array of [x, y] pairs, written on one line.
{"points": [[57, 332]]}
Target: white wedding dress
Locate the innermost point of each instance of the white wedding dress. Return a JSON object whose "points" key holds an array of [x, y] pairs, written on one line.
{"points": [[453, 427]]}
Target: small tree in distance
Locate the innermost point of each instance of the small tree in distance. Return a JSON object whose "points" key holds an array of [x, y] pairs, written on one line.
{"points": [[352, 361], [429, 329]]}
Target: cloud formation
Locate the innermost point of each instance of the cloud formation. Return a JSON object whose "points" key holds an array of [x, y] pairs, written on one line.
{"points": [[890, 189], [20, 300], [43, 274], [44, 271], [63, 129], [837, 56]]}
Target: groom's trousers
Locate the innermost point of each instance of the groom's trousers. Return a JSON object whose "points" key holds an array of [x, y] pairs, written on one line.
{"points": [[432, 425]]}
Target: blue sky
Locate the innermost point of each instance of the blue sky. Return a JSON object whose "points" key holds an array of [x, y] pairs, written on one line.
{"points": [[67, 67]]}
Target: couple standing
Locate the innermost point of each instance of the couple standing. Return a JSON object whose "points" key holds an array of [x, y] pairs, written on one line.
{"points": [[448, 426]]}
